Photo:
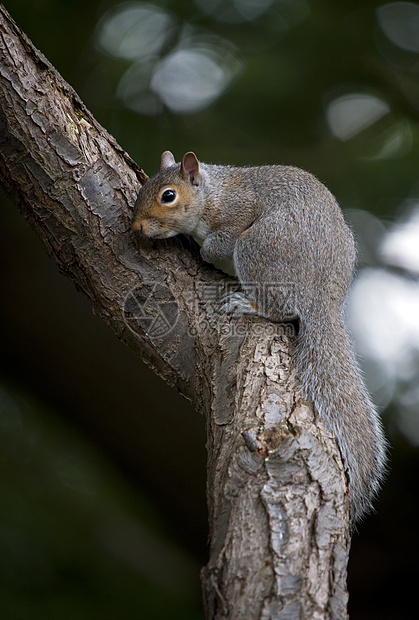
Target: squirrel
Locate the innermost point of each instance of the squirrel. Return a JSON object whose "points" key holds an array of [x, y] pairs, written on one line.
{"points": [[281, 226]]}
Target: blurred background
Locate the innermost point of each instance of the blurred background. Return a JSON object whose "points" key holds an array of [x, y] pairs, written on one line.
{"points": [[98, 519]]}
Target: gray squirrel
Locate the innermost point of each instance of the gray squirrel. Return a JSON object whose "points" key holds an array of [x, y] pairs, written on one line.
{"points": [[281, 225]]}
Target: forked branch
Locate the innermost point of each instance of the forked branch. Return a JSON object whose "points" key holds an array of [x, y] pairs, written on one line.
{"points": [[277, 497]]}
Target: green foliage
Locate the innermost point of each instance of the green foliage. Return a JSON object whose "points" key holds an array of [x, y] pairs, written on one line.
{"points": [[76, 540]]}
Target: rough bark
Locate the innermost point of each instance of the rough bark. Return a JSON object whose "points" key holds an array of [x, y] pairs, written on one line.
{"points": [[278, 507], [278, 513]]}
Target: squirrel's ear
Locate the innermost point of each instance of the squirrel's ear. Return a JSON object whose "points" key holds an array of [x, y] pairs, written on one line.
{"points": [[189, 168], [166, 160]]}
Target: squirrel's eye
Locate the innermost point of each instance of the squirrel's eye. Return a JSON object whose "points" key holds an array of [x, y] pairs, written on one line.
{"points": [[169, 195]]}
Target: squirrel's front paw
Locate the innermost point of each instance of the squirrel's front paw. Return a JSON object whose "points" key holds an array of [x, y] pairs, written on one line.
{"points": [[206, 255], [237, 304]]}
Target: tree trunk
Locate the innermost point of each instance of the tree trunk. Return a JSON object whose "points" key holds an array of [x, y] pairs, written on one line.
{"points": [[278, 510], [277, 497]]}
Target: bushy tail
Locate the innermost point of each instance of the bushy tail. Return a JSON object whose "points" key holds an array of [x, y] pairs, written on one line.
{"points": [[330, 376]]}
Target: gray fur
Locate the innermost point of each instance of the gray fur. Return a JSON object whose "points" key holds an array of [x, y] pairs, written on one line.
{"points": [[287, 235]]}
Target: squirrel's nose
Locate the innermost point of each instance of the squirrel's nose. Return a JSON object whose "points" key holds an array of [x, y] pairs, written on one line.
{"points": [[137, 225]]}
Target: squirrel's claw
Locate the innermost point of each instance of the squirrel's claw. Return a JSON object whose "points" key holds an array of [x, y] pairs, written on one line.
{"points": [[237, 304]]}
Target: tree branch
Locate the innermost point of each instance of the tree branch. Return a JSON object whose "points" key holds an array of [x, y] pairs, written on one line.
{"points": [[278, 505]]}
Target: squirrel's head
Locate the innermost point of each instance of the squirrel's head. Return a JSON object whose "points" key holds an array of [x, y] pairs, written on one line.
{"points": [[169, 203]]}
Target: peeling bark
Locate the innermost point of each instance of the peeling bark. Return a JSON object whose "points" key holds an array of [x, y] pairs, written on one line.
{"points": [[277, 497], [278, 508]]}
